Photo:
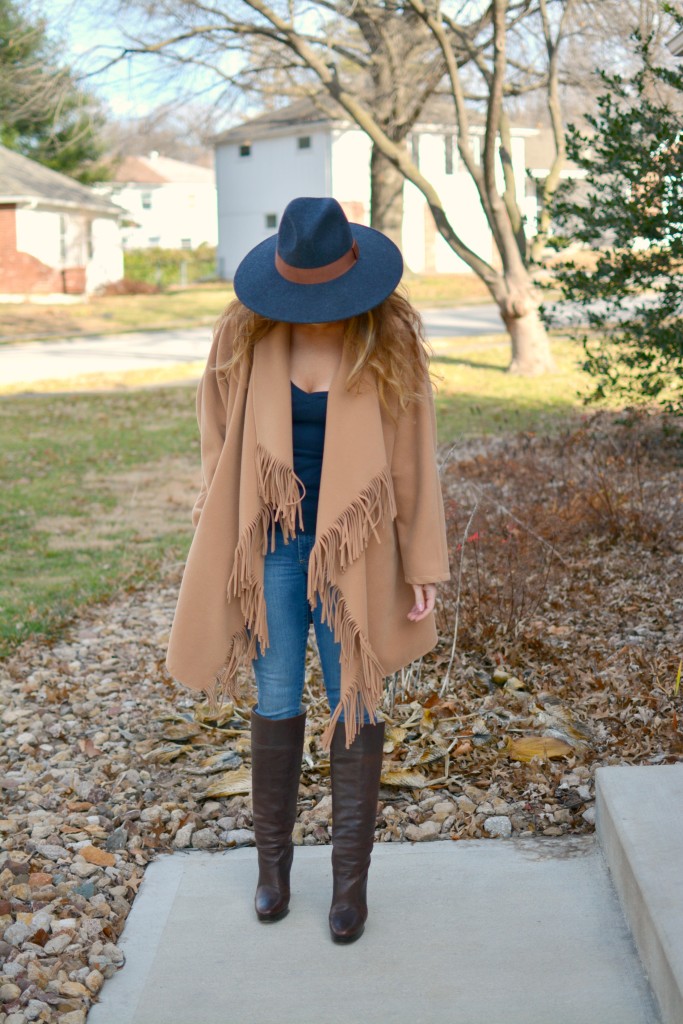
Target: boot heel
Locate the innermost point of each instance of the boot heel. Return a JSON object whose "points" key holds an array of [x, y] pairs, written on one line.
{"points": [[351, 937], [272, 903]]}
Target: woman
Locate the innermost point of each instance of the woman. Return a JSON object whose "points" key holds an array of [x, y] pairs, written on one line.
{"points": [[319, 481]]}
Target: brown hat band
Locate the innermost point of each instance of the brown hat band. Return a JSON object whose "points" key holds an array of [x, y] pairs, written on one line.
{"points": [[317, 275]]}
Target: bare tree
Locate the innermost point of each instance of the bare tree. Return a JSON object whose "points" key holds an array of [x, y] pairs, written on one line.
{"points": [[383, 50], [379, 60], [182, 132]]}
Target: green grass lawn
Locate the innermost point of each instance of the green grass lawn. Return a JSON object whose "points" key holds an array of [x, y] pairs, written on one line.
{"points": [[181, 307], [98, 488], [477, 397], [95, 493]]}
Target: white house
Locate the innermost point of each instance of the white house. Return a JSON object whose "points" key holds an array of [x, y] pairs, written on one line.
{"points": [[57, 237], [263, 164], [169, 203]]}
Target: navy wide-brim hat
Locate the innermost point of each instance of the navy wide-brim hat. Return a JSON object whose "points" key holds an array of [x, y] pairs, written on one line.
{"points": [[319, 267]]}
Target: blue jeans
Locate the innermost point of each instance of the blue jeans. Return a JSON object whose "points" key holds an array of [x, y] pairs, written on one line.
{"points": [[280, 670]]}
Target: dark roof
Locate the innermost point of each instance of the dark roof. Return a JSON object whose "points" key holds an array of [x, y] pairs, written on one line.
{"points": [[305, 113], [300, 113], [24, 179]]}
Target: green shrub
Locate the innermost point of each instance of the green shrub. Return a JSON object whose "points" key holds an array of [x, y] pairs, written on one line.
{"points": [[628, 213], [167, 267]]}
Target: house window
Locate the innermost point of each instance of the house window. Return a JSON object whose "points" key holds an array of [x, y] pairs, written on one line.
{"points": [[191, 200], [146, 200], [415, 148], [245, 149], [304, 142], [153, 240], [185, 243], [89, 240], [475, 143], [448, 153], [271, 220]]}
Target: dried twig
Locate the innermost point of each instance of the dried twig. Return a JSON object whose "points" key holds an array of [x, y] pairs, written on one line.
{"points": [[446, 680], [520, 522]]}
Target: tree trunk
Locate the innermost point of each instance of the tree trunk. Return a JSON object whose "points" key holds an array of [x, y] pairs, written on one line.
{"points": [[519, 311], [386, 197], [531, 353]]}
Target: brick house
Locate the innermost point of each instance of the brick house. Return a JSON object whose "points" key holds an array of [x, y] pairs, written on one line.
{"points": [[56, 235]]}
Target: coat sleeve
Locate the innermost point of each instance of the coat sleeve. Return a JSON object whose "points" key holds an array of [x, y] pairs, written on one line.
{"points": [[420, 520], [211, 407]]}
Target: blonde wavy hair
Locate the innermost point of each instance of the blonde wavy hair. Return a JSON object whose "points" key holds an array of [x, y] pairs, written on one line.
{"points": [[389, 338]]}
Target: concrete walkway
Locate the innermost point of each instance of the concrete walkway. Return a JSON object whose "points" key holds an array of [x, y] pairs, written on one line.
{"points": [[530, 930], [32, 361], [478, 932]]}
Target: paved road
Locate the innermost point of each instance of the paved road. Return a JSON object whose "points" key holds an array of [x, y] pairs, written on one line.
{"points": [[28, 362], [33, 361]]}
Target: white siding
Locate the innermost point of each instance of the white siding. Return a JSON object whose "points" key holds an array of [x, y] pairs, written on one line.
{"points": [[57, 239], [461, 203], [39, 233], [413, 244], [250, 187], [350, 182], [177, 211], [106, 263]]}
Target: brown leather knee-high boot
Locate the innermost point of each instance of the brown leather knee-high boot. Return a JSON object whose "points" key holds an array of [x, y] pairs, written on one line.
{"points": [[276, 752], [355, 775]]}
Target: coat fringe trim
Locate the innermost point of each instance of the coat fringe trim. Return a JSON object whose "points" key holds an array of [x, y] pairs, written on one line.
{"points": [[225, 683], [244, 585], [278, 485], [280, 500], [367, 685], [341, 544], [347, 538]]}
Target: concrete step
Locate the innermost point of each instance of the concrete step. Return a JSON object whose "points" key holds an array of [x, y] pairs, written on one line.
{"points": [[520, 931], [639, 823]]}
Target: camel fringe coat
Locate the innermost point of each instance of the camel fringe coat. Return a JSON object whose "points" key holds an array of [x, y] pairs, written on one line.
{"points": [[380, 526]]}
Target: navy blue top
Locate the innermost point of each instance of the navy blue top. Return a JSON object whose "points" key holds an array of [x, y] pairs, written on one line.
{"points": [[309, 411]]}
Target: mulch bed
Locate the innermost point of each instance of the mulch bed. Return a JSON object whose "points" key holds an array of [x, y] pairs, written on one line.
{"points": [[561, 639]]}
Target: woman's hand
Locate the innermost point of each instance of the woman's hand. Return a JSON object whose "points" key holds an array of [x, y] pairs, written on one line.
{"points": [[425, 595]]}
